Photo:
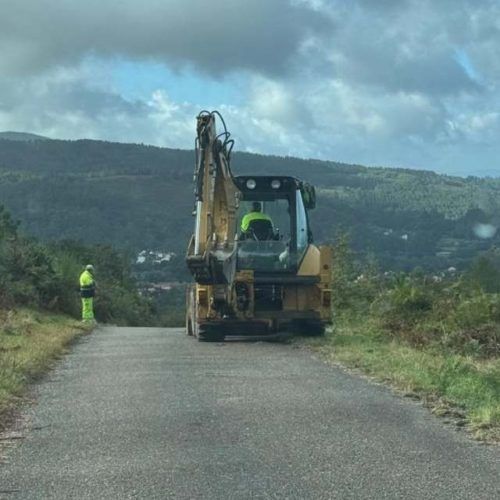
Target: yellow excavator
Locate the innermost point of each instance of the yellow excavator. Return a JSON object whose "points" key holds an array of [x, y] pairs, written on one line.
{"points": [[256, 271]]}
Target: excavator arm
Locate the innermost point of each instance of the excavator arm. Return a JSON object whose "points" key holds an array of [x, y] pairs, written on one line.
{"points": [[211, 256]]}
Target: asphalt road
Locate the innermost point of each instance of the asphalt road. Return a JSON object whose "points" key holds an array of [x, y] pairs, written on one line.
{"points": [[149, 413]]}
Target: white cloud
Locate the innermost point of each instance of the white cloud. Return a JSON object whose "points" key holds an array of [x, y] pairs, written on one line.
{"points": [[394, 82]]}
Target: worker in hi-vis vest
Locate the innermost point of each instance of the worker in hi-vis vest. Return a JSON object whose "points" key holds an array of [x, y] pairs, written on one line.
{"points": [[254, 214], [87, 292]]}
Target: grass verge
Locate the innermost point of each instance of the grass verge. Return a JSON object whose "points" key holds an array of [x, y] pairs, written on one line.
{"points": [[29, 343], [451, 384]]}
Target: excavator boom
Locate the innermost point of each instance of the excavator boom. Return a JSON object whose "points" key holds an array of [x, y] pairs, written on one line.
{"points": [[216, 203]]}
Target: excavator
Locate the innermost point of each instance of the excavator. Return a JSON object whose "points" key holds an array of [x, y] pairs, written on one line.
{"points": [[256, 270]]}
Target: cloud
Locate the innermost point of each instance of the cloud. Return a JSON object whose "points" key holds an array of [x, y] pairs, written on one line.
{"points": [[410, 83], [64, 104], [215, 36], [405, 46]]}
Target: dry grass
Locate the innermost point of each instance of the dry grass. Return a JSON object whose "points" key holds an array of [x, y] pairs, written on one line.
{"points": [[451, 384], [30, 341]]}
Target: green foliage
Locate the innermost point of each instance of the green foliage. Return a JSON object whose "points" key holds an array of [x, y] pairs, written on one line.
{"points": [[8, 227], [355, 283], [437, 336], [452, 384], [485, 271], [342, 274], [477, 309], [424, 314], [29, 342], [171, 307], [140, 197], [120, 306], [117, 300], [404, 302], [26, 271], [46, 276], [448, 312]]}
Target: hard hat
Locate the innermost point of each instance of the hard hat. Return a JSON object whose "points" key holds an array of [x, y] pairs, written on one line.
{"points": [[89, 267]]}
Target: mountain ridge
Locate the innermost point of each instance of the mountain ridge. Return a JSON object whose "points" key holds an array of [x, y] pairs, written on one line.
{"points": [[482, 173], [10, 135], [141, 197]]}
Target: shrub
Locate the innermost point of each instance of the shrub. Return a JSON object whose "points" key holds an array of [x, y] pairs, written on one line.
{"points": [[446, 312], [46, 276], [476, 310], [405, 302]]}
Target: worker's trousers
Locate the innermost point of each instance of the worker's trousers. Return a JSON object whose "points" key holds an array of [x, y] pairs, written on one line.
{"points": [[87, 309]]}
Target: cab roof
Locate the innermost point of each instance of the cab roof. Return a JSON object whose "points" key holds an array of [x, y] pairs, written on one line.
{"points": [[265, 183]]}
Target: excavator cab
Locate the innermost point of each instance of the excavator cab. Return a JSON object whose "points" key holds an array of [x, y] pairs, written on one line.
{"points": [[277, 242]]}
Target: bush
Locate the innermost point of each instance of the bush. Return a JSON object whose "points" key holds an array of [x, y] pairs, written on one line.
{"points": [[457, 314], [404, 301], [46, 276], [476, 310], [485, 272], [117, 298], [355, 284]]}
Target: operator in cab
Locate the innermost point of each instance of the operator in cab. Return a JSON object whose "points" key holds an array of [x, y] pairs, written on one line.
{"points": [[256, 224]]}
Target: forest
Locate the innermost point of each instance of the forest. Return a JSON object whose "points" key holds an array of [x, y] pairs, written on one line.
{"points": [[44, 276], [136, 197]]}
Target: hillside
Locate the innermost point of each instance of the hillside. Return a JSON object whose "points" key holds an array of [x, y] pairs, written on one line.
{"points": [[21, 136], [141, 197]]}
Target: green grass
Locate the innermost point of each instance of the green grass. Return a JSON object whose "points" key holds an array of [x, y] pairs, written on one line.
{"points": [[451, 384], [29, 343]]}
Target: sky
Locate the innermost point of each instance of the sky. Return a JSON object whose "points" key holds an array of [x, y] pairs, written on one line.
{"points": [[400, 83]]}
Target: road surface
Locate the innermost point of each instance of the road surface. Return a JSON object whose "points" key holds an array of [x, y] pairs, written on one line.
{"points": [[150, 413]]}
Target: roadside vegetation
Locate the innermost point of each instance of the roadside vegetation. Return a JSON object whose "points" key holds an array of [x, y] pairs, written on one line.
{"points": [[436, 337], [138, 197], [30, 341], [40, 303], [45, 276]]}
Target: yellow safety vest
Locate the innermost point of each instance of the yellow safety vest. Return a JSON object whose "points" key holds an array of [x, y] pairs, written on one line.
{"points": [[87, 284], [251, 216]]}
